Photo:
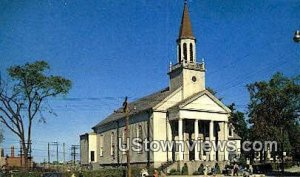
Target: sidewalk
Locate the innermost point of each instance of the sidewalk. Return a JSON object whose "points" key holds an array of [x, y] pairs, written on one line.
{"points": [[294, 169]]}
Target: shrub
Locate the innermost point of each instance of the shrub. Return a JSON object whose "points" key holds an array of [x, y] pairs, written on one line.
{"points": [[288, 164], [197, 173], [174, 172], [27, 174], [262, 168], [136, 171], [104, 173]]}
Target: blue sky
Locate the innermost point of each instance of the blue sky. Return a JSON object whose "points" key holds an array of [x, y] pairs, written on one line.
{"points": [[111, 49]]}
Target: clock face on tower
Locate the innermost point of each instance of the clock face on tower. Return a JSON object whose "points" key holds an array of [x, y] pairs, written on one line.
{"points": [[194, 79]]}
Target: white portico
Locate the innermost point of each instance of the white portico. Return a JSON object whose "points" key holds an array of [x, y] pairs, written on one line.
{"points": [[200, 118]]}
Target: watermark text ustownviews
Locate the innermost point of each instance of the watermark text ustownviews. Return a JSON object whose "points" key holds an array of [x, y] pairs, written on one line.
{"points": [[138, 145]]}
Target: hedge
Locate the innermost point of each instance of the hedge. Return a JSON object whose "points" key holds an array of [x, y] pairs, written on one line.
{"points": [[97, 173]]}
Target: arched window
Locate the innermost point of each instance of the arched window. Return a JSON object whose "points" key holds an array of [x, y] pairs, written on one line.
{"points": [[184, 52], [124, 141], [140, 136], [101, 145], [112, 144], [191, 53], [140, 131], [179, 53]]}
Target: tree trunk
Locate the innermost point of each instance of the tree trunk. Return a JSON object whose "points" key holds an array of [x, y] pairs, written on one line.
{"points": [[24, 156]]}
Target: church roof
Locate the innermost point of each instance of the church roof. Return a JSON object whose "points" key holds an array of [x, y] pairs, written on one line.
{"points": [[138, 106], [186, 26]]}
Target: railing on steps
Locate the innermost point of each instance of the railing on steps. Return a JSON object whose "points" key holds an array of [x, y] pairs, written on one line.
{"points": [[164, 166]]}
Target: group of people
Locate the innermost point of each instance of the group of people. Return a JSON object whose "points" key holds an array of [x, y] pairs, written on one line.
{"points": [[236, 169], [204, 170], [229, 170]]}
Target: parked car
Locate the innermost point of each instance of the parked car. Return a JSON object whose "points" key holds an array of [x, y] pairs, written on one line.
{"points": [[52, 174]]}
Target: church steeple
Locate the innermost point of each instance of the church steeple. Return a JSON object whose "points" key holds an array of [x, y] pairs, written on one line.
{"points": [[187, 74], [186, 41]]}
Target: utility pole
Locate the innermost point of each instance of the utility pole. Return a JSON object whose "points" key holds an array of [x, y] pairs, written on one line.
{"points": [[64, 153], [127, 135], [56, 144], [57, 152], [53, 144], [74, 152], [48, 153], [21, 154]]}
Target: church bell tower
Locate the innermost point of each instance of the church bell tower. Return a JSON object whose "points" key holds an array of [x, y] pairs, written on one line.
{"points": [[187, 73]]}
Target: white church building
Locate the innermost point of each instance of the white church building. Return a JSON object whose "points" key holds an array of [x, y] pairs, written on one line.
{"points": [[182, 112]]}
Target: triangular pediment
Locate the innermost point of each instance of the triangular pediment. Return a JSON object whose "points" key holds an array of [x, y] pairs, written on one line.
{"points": [[204, 101]]}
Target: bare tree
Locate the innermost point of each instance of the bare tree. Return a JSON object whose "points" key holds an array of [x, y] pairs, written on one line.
{"points": [[22, 98]]}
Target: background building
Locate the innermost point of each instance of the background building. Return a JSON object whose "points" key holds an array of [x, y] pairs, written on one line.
{"points": [[2, 158], [13, 161]]}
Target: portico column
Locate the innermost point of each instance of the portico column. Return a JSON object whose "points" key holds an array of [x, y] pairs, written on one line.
{"points": [[196, 129], [211, 139], [201, 149], [180, 138], [226, 139]]}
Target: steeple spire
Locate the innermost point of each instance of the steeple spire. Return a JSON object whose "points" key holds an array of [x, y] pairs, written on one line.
{"points": [[186, 42], [185, 31]]}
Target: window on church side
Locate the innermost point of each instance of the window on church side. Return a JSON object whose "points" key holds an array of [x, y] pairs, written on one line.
{"points": [[124, 140], [191, 53], [185, 52], [101, 145], [179, 53], [140, 136], [112, 144]]}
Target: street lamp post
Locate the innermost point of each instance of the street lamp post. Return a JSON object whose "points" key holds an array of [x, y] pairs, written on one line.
{"points": [[297, 36]]}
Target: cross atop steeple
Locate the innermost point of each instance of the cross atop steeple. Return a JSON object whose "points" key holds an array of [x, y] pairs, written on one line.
{"points": [[185, 31]]}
